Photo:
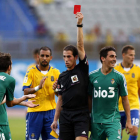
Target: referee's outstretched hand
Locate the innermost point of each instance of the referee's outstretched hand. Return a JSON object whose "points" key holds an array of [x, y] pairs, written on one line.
{"points": [[79, 17], [54, 125]]}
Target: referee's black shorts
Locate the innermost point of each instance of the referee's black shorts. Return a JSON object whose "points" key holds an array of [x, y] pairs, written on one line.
{"points": [[73, 124]]}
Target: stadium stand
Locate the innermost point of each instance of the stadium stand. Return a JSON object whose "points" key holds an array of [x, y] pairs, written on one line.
{"points": [[17, 28], [120, 14]]}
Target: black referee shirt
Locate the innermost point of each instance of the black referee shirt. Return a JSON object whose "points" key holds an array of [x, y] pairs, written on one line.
{"points": [[73, 86]]}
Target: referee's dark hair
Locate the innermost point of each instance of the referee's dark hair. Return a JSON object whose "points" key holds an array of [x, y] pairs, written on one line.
{"points": [[104, 51], [5, 61], [45, 48], [71, 48], [126, 48]]}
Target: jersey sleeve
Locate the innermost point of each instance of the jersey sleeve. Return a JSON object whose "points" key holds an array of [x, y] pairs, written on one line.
{"points": [[84, 65], [122, 86], [27, 80], [57, 73], [90, 86], [139, 80], [10, 90]]}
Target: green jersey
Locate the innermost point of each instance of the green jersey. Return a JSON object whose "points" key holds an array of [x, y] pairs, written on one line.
{"points": [[105, 91], [7, 86]]}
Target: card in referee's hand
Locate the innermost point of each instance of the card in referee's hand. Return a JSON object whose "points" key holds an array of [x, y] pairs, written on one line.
{"points": [[77, 8]]}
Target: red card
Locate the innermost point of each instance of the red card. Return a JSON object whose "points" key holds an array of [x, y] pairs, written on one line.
{"points": [[77, 8]]}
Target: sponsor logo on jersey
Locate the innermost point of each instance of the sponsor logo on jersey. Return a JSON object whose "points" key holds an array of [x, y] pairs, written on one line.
{"points": [[52, 78], [25, 79], [2, 78], [95, 81], [112, 81], [83, 132], [133, 75], [126, 73], [103, 93], [118, 137], [74, 78]]}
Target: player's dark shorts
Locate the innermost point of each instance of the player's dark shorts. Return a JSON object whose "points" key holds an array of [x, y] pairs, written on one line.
{"points": [[38, 123], [73, 124], [101, 131], [134, 118], [5, 132]]}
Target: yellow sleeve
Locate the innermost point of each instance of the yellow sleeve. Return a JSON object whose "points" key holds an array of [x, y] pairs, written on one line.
{"points": [[57, 74], [139, 80], [27, 80]]}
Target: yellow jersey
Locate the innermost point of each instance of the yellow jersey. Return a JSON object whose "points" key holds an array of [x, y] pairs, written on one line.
{"points": [[133, 84], [30, 66], [45, 97]]}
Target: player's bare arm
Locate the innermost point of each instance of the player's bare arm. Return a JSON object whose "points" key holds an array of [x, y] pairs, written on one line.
{"points": [[17, 101], [57, 113], [80, 41], [33, 90], [126, 106], [29, 104]]}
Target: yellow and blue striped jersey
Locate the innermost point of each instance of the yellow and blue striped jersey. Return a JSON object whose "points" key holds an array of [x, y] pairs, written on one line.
{"points": [[133, 84], [45, 97]]}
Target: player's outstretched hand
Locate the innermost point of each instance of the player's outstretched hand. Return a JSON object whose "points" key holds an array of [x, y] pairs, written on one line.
{"points": [[128, 127], [29, 96], [79, 17], [42, 82], [31, 104], [55, 85], [54, 125]]}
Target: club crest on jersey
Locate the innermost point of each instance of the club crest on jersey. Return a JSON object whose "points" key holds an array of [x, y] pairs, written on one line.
{"points": [[52, 78], [33, 135], [74, 78], [112, 81], [133, 75]]}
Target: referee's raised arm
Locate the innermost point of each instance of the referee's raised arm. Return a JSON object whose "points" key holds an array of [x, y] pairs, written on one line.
{"points": [[80, 41]]}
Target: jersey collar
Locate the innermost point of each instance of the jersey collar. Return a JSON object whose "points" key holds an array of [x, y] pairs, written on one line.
{"points": [[40, 70], [130, 67]]}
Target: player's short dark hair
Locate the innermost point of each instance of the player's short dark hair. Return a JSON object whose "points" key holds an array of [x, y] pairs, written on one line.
{"points": [[126, 48], [36, 51], [5, 61], [71, 48], [45, 48], [104, 51]]}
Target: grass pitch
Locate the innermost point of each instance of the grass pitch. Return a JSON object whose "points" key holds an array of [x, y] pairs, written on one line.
{"points": [[18, 129]]}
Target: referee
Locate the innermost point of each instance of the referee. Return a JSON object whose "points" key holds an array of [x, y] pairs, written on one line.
{"points": [[72, 106]]}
